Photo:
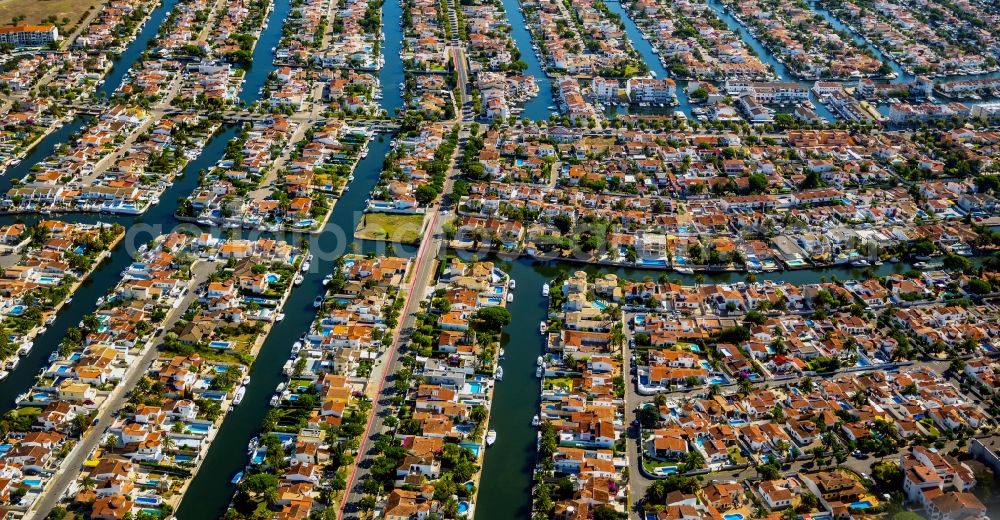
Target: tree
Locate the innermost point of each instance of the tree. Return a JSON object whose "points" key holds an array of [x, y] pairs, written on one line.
{"points": [[493, 318], [425, 194]]}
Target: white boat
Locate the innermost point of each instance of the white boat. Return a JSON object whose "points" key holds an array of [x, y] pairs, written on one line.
{"points": [[501, 353], [305, 266], [491, 437], [535, 421], [4, 374], [860, 263], [684, 270], [499, 374], [318, 302], [512, 283], [545, 290], [297, 346], [14, 361], [540, 361], [327, 279], [275, 400], [298, 279], [510, 297], [53, 356], [278, 317], [539, 372], [238, 396], [541, 327], [246, 380]]}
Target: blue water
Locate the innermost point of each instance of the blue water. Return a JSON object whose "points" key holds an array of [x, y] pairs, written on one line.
{"points": [[263, 64], [390, 76], [537, 107], [116, 75]]}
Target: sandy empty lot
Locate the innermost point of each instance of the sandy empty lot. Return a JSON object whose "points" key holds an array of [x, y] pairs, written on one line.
{"points": [[35, 11]]}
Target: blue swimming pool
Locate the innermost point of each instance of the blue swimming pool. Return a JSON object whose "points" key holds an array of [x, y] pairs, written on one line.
{"points": [[16, 310], [473, 388], [600, 305], [733, 516], [471, 446], [498, 290], [272, 277], [863, 504], [198, 428], [147, 501], [47, 280], [221, 344], [32, 482], [737, 422], [180, 457], [463, 507]]}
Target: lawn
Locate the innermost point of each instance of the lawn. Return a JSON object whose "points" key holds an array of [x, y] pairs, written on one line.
{"points": [[34, 11], [405, 229]]}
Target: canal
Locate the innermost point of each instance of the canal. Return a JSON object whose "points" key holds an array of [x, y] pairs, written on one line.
{"points": [[390, 76], [211, 491], [119, 70], [536, 108], [40, 151], [263, 53]]}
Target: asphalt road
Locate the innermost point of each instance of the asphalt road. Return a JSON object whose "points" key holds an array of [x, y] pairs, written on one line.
{"points": [[72, 465]]}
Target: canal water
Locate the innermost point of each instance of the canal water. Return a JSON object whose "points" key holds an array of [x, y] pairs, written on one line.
{"points": [[109, 274], [124, 63], [263, 54], [390, 76], [211, 491], [536, 108]]}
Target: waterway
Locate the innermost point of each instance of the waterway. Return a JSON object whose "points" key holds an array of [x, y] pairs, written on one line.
{"points": [[263, 56], [390, 76], [124, 63], [536, 108], [211, 491]]}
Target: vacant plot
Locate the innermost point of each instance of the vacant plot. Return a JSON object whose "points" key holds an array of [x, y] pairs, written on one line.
{"points": [[35, 11], [391, 227]]}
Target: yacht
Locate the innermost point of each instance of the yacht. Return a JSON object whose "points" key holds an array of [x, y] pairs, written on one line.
{"points": [[541, 327], [535, 421], [297, 346], [327, 279], [52, 357], [237, 478], [510, 297], [318, 302], [278, 317], [920, 265], [684, 270], [245, 380], [540, 361], [501, 353], [545, 290], [4, 374], [499, 374], [298, 279], [238, 396], [512, 283], [275, 400], [539, 372], [305, 266], [491, 437], [860, 263], [14, 361]]}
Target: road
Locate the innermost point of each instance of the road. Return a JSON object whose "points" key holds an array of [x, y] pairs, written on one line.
{"points": [[72, 465]]}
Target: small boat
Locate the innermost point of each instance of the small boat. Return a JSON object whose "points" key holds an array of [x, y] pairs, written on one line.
{"points": [[684, 270], [545, 290], [237, 478], [920, 265], [53, 356], [499, 374], [535, 421], [491, 437], [298, 279], [4, 374], [541, 327], [275, 400], [305, 266], [512, 283], [297, 346], [14, 361], [501, 353], [278, 317], [539, 372], [68, 300], [318, 302], [327, 279], [510, 297], [245, 380], [540, 361], [860, 263], [238, 396]]}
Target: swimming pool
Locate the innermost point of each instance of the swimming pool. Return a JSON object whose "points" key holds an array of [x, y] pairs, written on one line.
{"points": [[180, 457], [147, 501], [600, 305], [463, 507], [16, 310], [737, 422], [32, 482], [198, 428], [221, 344], [863, 504], [665, 470], [471, 446], [498, 289], [473, 388], [272, 277], [733, 516]]}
